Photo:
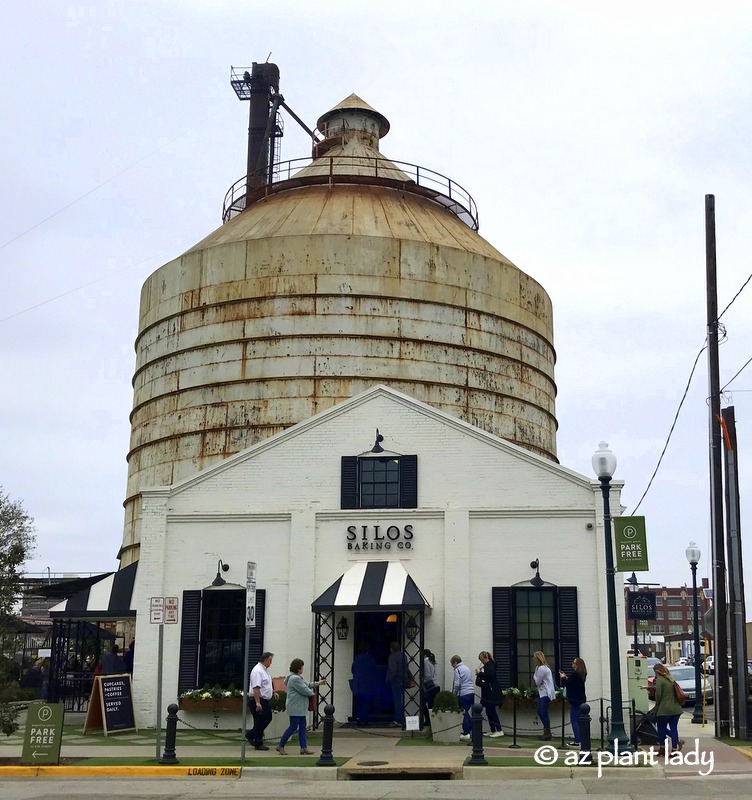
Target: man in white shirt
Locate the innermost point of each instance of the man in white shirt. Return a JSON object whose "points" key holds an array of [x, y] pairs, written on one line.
{"points": [[260, 692], [464, 687]]}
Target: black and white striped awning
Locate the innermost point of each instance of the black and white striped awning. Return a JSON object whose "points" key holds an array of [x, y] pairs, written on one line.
{"points": [[110, 598], [372, 586]]}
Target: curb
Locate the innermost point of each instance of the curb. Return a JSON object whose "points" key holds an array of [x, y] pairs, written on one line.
{"points": [[193, 771], [98, 772]]}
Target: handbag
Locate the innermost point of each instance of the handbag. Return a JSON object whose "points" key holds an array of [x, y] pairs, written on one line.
{"points": [[313, 702], [679, 694]]}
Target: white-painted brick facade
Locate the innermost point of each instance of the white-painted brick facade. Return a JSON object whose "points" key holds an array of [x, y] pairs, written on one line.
{"points": [[486, 509]]}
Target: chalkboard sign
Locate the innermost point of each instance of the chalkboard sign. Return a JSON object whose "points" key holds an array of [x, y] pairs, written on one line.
{"points": [[111, 705]]}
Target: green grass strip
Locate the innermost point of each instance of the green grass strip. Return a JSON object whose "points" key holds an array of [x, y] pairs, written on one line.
{"points": [[135, 761]]}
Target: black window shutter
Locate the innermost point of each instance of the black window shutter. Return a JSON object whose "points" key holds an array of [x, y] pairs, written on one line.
{"points": [[504, 650], [189, 641], [256, 634], [569, 629], [349, 482], [408, 466]]}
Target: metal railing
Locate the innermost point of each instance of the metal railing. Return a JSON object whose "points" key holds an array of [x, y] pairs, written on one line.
{"points": [[353, 169]]}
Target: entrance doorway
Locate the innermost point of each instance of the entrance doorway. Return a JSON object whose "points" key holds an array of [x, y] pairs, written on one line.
{"points": [[374, 631]]}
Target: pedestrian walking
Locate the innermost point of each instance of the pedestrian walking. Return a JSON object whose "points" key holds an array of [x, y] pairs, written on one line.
{"points": [[575, 686], [298, 692], [462, 686], [490, 692], [544, 680], [430, 684], [667, 711], [260, 693]]}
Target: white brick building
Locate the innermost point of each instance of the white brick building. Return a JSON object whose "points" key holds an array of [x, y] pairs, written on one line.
{"points": [[350, 273], [485, 509]]}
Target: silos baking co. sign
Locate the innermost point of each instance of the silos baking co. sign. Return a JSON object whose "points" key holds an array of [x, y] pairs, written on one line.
{"points": [[379, 537], [642, 605]]}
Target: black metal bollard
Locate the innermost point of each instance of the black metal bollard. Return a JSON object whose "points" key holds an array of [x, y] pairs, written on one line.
{"points": [[477, 758], [168, 754], [585, 743], [514, 723], [633, 723], [326, 759]]}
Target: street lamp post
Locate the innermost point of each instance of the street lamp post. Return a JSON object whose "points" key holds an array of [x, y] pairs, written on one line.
{"points": [[604, 465], [693, 556]]}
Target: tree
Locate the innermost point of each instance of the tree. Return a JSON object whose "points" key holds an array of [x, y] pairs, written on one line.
{"points": [[16, 545]]}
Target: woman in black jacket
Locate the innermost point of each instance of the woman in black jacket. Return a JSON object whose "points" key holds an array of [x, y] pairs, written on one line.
{"points": [[490, 692], [575, 683]]}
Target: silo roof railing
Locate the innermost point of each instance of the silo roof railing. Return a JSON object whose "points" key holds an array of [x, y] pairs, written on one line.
{"points": [[363, 170]]}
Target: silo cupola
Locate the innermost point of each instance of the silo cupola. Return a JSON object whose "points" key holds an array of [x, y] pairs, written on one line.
{"points": [[352, 119]]}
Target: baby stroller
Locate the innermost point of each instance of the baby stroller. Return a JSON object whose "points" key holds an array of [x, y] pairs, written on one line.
{"points": [[645, 729]]}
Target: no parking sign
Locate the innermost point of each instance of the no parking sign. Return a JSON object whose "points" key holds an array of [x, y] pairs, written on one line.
{"points": [[250, 595]]}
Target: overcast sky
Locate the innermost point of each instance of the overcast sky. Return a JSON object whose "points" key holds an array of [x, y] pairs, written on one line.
{"points": [[587, 138]]}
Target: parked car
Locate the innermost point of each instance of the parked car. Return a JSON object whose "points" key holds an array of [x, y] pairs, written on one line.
{"points": [[685, 677], [710, 666], [682, 662]]}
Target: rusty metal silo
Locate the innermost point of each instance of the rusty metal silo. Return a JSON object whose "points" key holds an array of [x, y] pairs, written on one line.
{"points": [[347, 271]]}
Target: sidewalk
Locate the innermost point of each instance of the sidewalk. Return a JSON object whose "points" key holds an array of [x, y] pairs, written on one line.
{"points": [[359, 755]]}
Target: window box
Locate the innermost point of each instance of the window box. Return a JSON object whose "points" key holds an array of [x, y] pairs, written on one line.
{"points": [[211, 704]]}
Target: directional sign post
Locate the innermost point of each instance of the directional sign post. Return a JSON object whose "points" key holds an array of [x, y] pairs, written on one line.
{"points": [[250, 595], [171, 610], [156, 610], [44, 734], [250, 622], [162, 610]]}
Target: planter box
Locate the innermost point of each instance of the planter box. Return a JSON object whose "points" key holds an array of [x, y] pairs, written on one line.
{"points": [[227, 715], [209, 706], [222, 714], [528, 723], [446, 726]]}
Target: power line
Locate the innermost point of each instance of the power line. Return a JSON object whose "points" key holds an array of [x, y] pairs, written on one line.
{"points": [[686, 390], [743, 286], [673, 425], [159, 256], [741, 289], [737, 374], [104, 183]]}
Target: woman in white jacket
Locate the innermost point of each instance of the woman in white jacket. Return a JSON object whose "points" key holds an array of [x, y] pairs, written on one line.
{"points": [[544, 680]]}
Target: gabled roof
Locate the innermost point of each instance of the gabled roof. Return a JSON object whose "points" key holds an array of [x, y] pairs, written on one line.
{"points": [[380, 390]]}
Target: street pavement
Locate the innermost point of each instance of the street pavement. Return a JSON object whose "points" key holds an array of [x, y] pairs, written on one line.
{"points": [[375, 764]]}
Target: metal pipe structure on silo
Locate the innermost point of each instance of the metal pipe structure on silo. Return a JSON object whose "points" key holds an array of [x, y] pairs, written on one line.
{"points": [[350, 270]]}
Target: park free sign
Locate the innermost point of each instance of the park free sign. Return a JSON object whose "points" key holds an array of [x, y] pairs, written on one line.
{"points": [[43, 734], [631, 544]]}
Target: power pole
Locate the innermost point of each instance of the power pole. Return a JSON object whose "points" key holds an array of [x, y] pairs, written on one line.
{"points": [[735, 576], [722, 713]]}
